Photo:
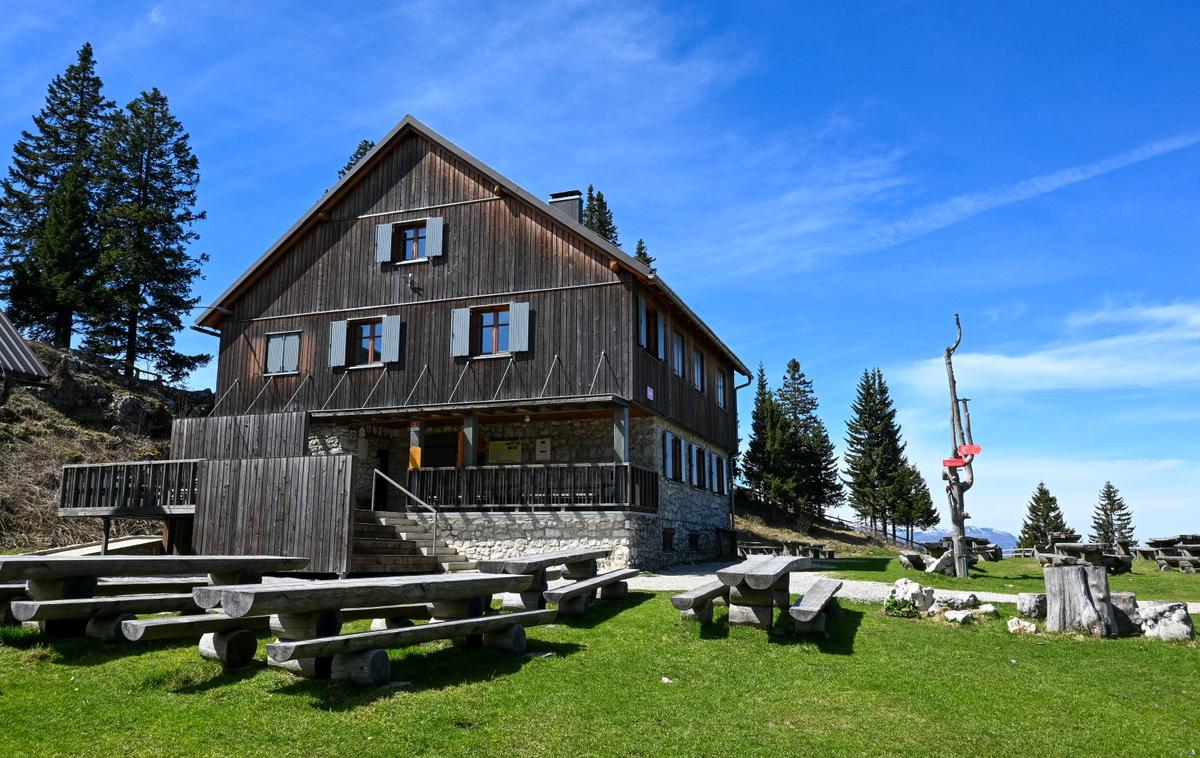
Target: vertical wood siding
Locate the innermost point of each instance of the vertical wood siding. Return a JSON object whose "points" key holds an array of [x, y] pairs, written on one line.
{"points": [[274, 435]]}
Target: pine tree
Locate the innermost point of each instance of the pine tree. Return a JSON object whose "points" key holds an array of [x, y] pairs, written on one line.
{"points": [[874, 452], [643, 255], [915, 509], [826, 480], [54, 168], [754, 462], [1042, 518], [1111, 519], [363, 148], [150, 177], [796, 393], [809, 460], [597, 216]]}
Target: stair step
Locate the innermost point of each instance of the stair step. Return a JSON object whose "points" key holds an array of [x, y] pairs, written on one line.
{"points": [[441, 551], [418, 564], [376, 530], [383, 547], [452, 568]]}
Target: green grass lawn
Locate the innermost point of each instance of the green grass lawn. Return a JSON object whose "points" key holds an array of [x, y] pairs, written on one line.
{"points": [[877, 686], [1014, 575]]}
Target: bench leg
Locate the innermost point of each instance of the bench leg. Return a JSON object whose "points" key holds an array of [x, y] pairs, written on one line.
{"points": [[580, 570], [512, 639], [234, 648], [614, 591], [369, 668], [761, 616], [244, 576], [305, 626], [816, 626], [575, 606], [108, 628], [71, 588], [381, 625], [523, 601], [702, 613]]}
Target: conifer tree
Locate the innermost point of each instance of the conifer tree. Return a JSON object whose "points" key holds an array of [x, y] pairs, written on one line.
{"points": [[149, 183], [597, 216], [754, 464], [1111, 519], [809, 460], [915, 509], [874, 452], [45, 271], [363, 148], [643, 255], [1042, 518]]}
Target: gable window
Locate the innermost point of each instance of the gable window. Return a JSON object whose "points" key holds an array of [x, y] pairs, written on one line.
{"points": [[491, 330], [721, 389], [677, 354], [408, 242], [366, 343], [698, 370], [283, 353]]}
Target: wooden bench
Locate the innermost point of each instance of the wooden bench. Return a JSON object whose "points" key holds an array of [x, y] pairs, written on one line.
{"points": [[362, 657], [577, 564], [811, 610], [103, 616], [697, 604], [573, 599], [759, 585]]}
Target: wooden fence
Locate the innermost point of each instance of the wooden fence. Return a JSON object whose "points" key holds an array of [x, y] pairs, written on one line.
{"points": [[129, 490], [278, 506], [264, 435]]}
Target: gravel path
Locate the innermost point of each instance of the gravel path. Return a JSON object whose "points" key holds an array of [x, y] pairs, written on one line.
{"points": [[682, 578]]}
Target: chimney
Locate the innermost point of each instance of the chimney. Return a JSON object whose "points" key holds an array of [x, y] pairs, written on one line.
{"points": [[569, 204]]}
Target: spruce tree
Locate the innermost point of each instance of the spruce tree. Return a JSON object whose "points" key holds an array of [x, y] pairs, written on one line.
{"points": [[1042, 518], [363, 148], [915, 509], [54, 167], [597, 216], [150, 177], [1111, 519], [754, 464], [810, 459], [874, 452], [643, 255]]}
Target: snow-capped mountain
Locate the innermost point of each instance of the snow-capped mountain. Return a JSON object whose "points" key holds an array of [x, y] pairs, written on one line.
{"points": [[1003, 539]]}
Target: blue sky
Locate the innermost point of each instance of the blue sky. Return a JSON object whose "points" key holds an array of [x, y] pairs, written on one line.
{"points": [[826, 181]]}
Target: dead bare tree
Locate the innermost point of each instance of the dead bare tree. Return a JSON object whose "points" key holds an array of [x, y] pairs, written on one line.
{"points": [[960, 476]]}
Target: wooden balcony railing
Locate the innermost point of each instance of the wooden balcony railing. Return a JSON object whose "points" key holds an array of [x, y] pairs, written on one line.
{"points": [[545, 487], [131, 490]]}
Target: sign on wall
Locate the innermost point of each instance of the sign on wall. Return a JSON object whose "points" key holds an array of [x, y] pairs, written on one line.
{"points": [[542, 449], [504, 451]]}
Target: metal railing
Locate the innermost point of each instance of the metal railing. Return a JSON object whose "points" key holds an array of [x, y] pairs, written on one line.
{"points": [[135, 489], [410, 498], [545, 487]]}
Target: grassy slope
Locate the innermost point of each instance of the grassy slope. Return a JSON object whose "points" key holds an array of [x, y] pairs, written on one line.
{"points": [[878, 686], [1014, 575]]}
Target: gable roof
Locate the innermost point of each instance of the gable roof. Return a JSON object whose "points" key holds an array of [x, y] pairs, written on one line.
{"points": [[15, 355], [212, 315]]}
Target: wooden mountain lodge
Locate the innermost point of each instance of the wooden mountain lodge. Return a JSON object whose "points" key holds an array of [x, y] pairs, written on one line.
{"points": [[433, 366]]}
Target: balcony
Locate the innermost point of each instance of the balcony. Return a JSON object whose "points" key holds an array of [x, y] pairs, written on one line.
{"points": [[143, 489], [528, 488]]}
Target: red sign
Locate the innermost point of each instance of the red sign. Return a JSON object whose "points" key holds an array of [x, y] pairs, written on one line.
{"points": [[969, 450], [954, 463]]}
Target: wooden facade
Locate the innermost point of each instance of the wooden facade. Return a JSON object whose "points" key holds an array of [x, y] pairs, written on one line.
{"points": [[274, 435]]}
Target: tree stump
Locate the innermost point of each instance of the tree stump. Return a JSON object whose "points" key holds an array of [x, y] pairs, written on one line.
{"points": [[1077, 599]]}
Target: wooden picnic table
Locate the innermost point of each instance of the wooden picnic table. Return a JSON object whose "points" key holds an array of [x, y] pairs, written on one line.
{"points": [[578, 564], [48, 567], [758, 585]]}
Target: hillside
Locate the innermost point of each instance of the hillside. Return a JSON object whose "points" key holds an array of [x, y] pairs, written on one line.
{"points": [[85, 413]]}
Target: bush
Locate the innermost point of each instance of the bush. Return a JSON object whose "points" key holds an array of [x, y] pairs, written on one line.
{"points": [[894, 606]]}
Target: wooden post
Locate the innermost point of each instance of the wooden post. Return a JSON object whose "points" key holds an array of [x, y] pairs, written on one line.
{"points": [[416, 439], [470, 439], [958, 479], [107, 525]]}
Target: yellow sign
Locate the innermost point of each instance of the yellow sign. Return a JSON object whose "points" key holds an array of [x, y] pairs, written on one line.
{"points": [[504, 451]]}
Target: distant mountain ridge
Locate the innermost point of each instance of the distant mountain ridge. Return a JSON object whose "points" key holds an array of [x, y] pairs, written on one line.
{"points": [[1003, 539]]}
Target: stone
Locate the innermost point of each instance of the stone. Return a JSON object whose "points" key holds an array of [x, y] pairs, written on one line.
{"points": [[957, 602], [1125, 611], [1032, 605], [1166, 621], [943, 565], [908, 591], [914, 561], [958, 617], [987, 609], [1021, 626]]}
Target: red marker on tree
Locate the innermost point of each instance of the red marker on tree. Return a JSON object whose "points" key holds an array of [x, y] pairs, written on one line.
{"points": [[969, 449]]}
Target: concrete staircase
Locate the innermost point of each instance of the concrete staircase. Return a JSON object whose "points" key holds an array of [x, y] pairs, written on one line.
{"points": [[388, 542]]}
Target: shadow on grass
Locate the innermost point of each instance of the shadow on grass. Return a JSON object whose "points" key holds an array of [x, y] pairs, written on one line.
{"points": [[602, 610], [187, 683], [416, 672], [856, 564], [841, 627]]}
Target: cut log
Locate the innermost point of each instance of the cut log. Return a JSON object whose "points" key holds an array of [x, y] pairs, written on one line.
{"points": [[1077, 599], [234, 648], [108, 628], [188, 626], [110, 587], [815, 601], [50, 567], [383, 624], [369, 668], [702, 595], [762, 572], [580, 569], [85, 608], [527, 564], [309, 668], [70, 588], [751, 615], [614, 591], [512, 639], [588, 586], [303, 626]]}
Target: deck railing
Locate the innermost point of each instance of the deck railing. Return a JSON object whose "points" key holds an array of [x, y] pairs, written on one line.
{"points": [[136, 489], [540, 487]]}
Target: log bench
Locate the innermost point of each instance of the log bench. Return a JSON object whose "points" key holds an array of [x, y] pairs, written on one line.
{"points": [[810, 612], [759, 585], [577, 564], [697, 604], [362, 657], [102, 616], [573, 599]]}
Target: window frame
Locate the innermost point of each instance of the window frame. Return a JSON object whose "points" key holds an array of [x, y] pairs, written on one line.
{"points": [[678, 355], [354, 342], [698, 370], [720, 389], [398, 242], [267, 351], [651, 344], [477, 326]]}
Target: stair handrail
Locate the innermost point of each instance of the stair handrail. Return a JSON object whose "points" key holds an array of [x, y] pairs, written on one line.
{"points": [[436, 513]]}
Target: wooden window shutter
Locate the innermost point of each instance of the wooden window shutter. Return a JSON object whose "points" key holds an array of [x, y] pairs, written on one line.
{"points": [[662, 336], [337, 343], [435, 232], [641, 321], [274, 353], [291, 352], [460, 332], [391, 339], [383, 243], [518, 327], [667, 454]]}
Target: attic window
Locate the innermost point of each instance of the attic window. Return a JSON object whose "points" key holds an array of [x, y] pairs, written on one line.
{"points": [[408, 242]]}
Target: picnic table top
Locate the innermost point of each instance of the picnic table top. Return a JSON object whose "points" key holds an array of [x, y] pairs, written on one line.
{"points": [[761, 572], [1079, 547], [1176, 541], [527, 564], [238, 600], [52, 567]]}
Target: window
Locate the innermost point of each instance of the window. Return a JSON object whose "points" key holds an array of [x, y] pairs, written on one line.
{"points": [[698, 370], [668, 540], [699, 476], [677, 354], [408, 242], [649, 330], [491, 330], [672, 457], [694, 542], [721, 476], [283, 353], [365, 343], [721, 401]]}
